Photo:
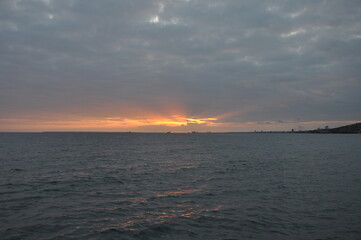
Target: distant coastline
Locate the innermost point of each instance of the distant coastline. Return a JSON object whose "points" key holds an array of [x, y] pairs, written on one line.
{"points": [[347, 129], [352, 128]]}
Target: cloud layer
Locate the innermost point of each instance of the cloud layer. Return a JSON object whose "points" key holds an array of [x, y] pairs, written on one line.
{"points": [[237, 61]]}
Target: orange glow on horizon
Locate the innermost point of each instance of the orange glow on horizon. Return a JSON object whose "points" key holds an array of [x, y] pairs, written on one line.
{"points": [[152, 123], [173, 121], [106, 123]]}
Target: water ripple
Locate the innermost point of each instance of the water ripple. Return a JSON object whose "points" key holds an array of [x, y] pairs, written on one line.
{"points": [[180, 186]]}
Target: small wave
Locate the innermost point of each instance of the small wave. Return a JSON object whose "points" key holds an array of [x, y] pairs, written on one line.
{"points": [[111, 233], [164, 231], [177, 193], [17, 170]]}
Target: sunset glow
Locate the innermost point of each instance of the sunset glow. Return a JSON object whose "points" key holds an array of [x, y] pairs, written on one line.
{"points": [[110, 123], [156, 124], [162, 121]]}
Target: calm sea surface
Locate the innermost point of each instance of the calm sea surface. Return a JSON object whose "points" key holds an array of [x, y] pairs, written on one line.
{"points": [[180, 186]]}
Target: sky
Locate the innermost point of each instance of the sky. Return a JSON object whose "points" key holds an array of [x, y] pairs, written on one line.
{"points": [[180, 65]]}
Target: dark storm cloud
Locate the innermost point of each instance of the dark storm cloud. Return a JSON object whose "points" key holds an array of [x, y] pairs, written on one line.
{"points": [[269, 60]]}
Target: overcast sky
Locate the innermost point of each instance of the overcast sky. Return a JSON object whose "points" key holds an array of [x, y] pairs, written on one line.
{"points": [[120, 64]]}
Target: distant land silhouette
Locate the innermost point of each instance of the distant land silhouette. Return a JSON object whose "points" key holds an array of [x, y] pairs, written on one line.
{"points": [[352, 128]]}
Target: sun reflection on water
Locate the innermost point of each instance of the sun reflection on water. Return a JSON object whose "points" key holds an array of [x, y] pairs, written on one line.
{"points": [[158, 217]]}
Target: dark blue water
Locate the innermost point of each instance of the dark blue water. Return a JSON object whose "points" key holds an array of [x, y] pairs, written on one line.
{"points": [[180, 186]]}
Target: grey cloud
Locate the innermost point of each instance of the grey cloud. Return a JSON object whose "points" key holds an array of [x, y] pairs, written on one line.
{"points": [[282, 59]]}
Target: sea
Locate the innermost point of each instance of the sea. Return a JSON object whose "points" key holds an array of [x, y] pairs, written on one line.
{"points": [[180, 186]]}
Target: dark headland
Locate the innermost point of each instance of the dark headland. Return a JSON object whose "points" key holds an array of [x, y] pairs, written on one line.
{"points": [[352, 128]]}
